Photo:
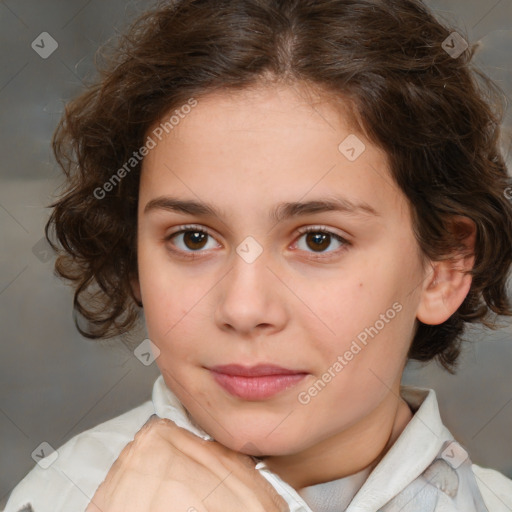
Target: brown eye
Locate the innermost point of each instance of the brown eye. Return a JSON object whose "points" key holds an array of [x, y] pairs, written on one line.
{"points": [[319, 240], [190, 239], [194, 239]]}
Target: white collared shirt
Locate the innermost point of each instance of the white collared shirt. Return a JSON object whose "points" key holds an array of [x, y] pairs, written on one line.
{"points": [[70, 481]]}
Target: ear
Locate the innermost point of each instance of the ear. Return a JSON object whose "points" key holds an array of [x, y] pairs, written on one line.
{"points": [[447, 285], [135, 285]]}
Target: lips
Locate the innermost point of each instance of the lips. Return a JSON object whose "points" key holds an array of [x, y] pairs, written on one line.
{"points": [[254, 371], [255, 382]]}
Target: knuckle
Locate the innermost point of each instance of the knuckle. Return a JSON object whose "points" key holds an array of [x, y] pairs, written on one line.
{"points": [[153, 427], [125, 452], [158, 435]]}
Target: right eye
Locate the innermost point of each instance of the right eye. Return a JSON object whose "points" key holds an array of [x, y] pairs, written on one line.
{"points": [[191, 239]]}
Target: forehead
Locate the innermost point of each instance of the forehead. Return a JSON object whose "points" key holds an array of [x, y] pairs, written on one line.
{"points": [[264, 144], [265, 109]]}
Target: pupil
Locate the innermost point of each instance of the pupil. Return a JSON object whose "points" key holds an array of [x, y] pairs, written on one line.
{"points": [[192, 237], [319, 240]]}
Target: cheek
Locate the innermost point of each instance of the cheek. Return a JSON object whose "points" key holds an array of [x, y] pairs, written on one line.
{"points": [[345, 306], [167, 295], [370, 315], [165, 310]]}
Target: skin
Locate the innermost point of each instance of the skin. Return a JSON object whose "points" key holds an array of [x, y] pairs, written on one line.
{"points": [[168, 469], [297, 306]]}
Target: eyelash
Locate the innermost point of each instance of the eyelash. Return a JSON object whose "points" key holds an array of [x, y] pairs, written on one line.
{"points": [[302, 231]]}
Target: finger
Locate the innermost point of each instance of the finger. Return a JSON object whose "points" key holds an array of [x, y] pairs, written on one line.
{"points": [[150, 420], [244, 467], [233, 470]]}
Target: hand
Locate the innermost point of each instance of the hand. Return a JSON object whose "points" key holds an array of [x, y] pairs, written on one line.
{"points": [[168, 469]]}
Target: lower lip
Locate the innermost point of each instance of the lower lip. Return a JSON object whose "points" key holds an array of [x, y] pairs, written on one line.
{"points": [[256, 388]]}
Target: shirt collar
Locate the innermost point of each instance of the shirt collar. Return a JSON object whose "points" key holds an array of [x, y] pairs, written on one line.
{"points": [[413, 451]]}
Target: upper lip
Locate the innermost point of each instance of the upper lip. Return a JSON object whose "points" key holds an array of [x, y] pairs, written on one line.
{"points": [[254, 371]]}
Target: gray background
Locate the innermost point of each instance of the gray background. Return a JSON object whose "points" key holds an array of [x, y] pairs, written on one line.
{"points": [[55, 383]]}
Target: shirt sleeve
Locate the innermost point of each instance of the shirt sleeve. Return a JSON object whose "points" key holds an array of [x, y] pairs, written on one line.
{"points": [[69, 483]]}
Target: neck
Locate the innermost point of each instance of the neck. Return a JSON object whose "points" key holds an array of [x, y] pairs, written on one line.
{"points": [[350, 451]]}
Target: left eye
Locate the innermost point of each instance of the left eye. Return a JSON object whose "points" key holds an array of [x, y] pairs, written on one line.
{"points": [[320, 239]]}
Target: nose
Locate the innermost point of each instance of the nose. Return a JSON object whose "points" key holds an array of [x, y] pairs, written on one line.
{"points": [[251, 297]]}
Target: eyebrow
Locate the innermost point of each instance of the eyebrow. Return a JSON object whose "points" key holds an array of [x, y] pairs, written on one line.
{"points": [[280, 212]]}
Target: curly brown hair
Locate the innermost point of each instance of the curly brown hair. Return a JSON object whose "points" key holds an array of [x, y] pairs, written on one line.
{"points": [[436, 116]]}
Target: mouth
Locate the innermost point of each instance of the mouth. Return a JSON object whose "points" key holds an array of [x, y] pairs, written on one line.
{"points": [[255, 382]]}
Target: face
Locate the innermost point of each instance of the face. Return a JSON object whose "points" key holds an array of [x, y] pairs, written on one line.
{"points": [[242, 283]]}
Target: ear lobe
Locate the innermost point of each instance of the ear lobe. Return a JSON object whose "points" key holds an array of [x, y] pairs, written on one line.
{"points": [[448, 284]]}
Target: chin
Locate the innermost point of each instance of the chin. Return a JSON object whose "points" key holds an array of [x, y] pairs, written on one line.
{"points": [[261, 446]]}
